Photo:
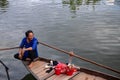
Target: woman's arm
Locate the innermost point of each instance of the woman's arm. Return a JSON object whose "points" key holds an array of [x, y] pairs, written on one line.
{"points": [[34, 46]]}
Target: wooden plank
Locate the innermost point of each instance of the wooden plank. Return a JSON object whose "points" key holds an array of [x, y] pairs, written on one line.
{"points": [[39, 72], [43, 75], [61, 77], [37, 64], [99, 78], [25, 62], [99, 74], [80, 76], [39, 69], [90, 77], [85, 76]]}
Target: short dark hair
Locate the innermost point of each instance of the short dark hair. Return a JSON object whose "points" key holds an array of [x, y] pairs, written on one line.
{"points": [[27, 33]]}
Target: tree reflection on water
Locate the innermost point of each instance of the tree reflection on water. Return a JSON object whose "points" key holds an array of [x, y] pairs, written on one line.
{"points": [[3, 6], [3, 3], [74, 4]]}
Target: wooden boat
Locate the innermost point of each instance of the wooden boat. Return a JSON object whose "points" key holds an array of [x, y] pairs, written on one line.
{"points": [[39, 72]]}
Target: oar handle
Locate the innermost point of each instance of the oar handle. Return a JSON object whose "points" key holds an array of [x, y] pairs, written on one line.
{"points": [[79, 57]]}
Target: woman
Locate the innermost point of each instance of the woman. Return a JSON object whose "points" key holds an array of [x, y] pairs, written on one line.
{"points": [[28, 48]]}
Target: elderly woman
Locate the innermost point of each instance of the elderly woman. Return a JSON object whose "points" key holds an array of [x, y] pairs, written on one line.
{"points": [[28, 48]]}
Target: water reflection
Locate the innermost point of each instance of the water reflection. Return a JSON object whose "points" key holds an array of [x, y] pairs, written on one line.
{"points": [[3, 5], [74, 4], [117, 2], [92, 2]]}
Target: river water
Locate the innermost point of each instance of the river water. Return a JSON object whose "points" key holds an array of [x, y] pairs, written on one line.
{"points": [[90, 28]]}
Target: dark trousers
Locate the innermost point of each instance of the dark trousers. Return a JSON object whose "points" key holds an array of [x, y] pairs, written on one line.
{"points": [[31, 54]]}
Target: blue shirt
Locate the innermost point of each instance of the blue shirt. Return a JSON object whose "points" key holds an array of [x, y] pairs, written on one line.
{"points": [[33, 43]]}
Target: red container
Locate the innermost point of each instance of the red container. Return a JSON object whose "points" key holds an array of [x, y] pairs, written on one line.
{"points": [[69, 71], [60, 68], [57, 71]]}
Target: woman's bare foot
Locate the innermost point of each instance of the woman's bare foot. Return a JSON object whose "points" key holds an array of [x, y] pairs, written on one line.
{"points": [[30, 65], [20, 57]]}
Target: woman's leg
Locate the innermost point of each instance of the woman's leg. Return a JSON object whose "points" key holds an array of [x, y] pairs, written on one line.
{"points": [[32, 56]]}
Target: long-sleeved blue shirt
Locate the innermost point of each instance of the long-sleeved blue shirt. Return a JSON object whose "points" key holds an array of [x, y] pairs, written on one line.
{"points": [[33, 43]]}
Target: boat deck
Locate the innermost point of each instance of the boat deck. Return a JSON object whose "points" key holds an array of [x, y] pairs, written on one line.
{"points": [[39, 72]]}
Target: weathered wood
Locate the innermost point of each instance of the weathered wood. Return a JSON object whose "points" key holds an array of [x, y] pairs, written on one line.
{"points": [[38, 64], [61, 77], [85, 76], [99, 78], [39, 69], [80, 76], [43, 75], [39, 72]]}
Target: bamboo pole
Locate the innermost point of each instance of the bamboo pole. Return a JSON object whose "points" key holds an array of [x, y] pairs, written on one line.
{"points": [[79, 57], [2, 49]]}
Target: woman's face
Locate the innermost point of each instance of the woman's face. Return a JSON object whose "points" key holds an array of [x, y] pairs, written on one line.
{"points": [[30, 36]]}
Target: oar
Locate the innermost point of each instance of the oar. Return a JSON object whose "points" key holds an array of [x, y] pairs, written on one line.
{"points": [[2, 49], [79, 57]]}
